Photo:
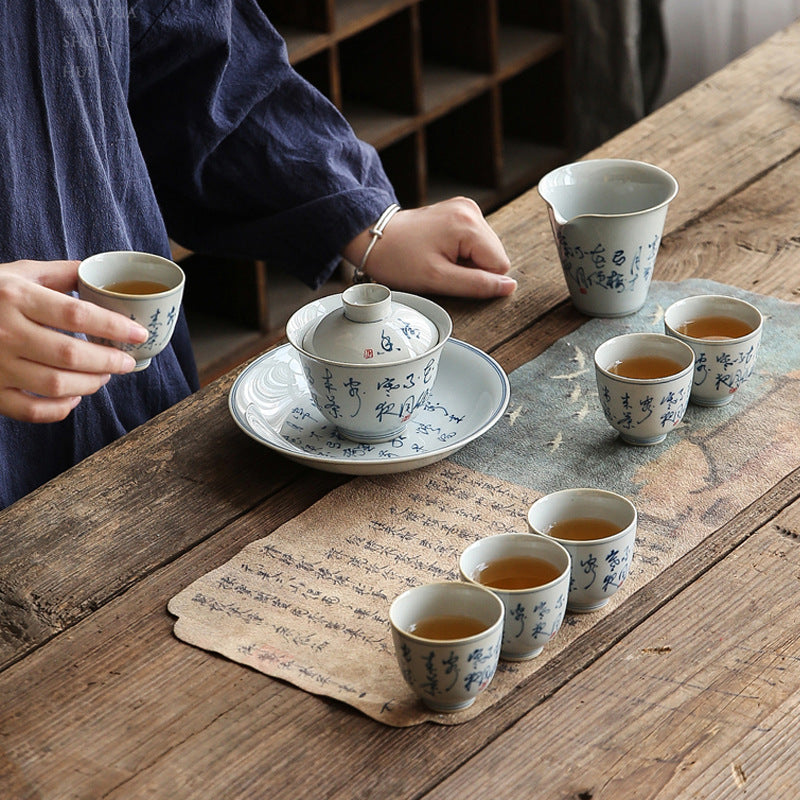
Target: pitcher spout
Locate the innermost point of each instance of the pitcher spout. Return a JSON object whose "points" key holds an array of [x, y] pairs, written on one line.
{"points": [[607, 217]]}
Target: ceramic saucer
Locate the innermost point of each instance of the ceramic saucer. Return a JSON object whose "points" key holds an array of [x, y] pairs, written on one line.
{"points": [[271, 403]]}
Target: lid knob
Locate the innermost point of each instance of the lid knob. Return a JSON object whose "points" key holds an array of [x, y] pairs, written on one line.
{"points": [[367, 302]]}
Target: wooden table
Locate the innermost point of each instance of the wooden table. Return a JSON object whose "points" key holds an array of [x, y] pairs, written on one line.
{"points": [[99, 699]]}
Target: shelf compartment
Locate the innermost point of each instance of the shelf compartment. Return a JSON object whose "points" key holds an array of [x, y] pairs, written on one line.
{"points": [[404, 163], [522, 47], [322, 71], [463, 147], [353, 16], [445, 87], [381, 67], [533, 103], [543, 14], [305, 25], [460, 33], [313, 15]]}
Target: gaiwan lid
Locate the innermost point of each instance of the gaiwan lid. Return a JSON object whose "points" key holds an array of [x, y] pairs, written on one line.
{"points": [[371, 328]]}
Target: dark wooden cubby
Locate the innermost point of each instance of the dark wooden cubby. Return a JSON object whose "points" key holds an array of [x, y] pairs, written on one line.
{"points": [[457, 96]]}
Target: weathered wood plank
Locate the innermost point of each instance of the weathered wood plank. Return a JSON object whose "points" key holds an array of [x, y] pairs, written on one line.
{"points": [[694, 702], [751, 239], [133, 711], [743, 122], [193, 491], [56, 570]]}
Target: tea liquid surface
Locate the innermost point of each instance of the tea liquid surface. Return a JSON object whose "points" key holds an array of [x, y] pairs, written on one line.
{"points": [[447, 626], [583, 529], [136, 287], [645, 367], [715, 329], [516, 572]]}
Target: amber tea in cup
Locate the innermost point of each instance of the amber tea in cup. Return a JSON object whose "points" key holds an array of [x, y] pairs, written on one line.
{"points": [[724, 333], [583, 529], [646, 367], [598, 529], [446, 627], [144, 287], [136, 287], [447, 638], [715, 329], [516, 572], [530, 574], [643, 384]]}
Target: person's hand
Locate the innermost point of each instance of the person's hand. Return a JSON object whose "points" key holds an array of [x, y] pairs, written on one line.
{"points": [[44, 371], [447, 248]]}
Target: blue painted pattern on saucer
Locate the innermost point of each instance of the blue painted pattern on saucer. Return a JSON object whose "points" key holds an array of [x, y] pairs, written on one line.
{"points": [[270, 402]]}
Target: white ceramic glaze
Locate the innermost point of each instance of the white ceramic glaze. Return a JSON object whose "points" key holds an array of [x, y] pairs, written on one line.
{"points": [[720, 367], [607, 217], [156, 312], [271, 403], [533, 615], [370, 327], [369, 401], [600, 566], [447, 675], [643, 410]]}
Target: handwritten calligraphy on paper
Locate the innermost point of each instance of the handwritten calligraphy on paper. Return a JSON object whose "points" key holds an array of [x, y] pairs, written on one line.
{"points": [[311, 601]]}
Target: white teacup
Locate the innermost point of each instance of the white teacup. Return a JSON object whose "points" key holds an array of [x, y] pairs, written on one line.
{"points": [[531, 575], [143, 287], [447, 674], [607, 217], [599, 565], [724, 333], [643, 407]]}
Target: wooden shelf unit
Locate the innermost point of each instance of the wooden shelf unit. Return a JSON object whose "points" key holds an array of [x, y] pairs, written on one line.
{"points": [[457, 96]]}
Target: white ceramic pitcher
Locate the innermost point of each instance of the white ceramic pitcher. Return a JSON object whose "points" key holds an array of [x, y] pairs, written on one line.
{"points": [[607, 217]]}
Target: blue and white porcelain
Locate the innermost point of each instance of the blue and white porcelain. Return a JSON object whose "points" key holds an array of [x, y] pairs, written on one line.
{"points": [[270, 401], [533, 614], [371, 327], [157, 312], [370, 376], [721, 367], [447, 675], [607, 217], [643, 410], [599, 567]]}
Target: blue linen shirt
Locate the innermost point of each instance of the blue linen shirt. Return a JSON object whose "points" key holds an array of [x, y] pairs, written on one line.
{"points": [[121, 120]]}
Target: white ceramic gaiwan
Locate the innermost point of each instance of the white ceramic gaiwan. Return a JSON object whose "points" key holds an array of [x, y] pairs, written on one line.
{"points": [[370, 357]]}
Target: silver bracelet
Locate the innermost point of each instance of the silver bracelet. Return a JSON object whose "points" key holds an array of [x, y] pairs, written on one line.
{"points": [[359, 276]]}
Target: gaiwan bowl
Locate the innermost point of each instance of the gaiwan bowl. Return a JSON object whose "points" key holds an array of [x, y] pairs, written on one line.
{"points": [[370, 357]]}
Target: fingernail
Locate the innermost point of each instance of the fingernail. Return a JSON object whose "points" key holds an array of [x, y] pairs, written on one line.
{"points": [[129, 362], [506, 282], [138, 332]]}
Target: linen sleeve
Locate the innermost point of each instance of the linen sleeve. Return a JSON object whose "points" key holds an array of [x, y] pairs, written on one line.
{"points": [[245, 156]]}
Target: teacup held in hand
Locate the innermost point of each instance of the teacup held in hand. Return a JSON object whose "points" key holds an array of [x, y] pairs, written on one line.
{"points": [[143, 287]]}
